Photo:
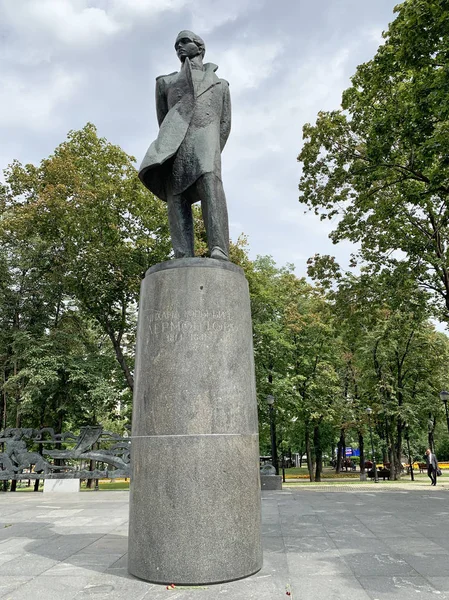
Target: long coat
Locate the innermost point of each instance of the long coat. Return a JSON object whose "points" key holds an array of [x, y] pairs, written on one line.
{"points": [[194, 115], [433, 462]]}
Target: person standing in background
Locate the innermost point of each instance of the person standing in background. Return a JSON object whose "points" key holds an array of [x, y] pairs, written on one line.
{"points": [[432, 466]]}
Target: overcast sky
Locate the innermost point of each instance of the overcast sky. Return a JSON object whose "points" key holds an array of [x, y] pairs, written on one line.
{"points": [[66, 62]]}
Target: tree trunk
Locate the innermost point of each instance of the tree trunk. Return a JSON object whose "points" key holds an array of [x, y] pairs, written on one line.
{"points": [[3, 413], [341, 449], [121, 360], [431, 431], [301, 452], [362, 453], [390, 448], [398, 451], [318, 452], [310, 462]]}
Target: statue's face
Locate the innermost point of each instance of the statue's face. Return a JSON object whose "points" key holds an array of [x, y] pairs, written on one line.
{"points": [[186, 48]]}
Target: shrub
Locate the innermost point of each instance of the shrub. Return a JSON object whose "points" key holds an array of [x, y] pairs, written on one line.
{"points": [[442, 450]]}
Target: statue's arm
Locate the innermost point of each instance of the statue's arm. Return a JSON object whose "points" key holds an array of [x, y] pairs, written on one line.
{"points": [[225, 123], [161, 100]]}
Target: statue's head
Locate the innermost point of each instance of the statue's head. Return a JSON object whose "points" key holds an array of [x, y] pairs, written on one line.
{"points": [[189, 45]]}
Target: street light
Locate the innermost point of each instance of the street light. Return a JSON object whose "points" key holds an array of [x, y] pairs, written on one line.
{"points": [[410, 462], [444, 397], [368, 412], [274, 451]]}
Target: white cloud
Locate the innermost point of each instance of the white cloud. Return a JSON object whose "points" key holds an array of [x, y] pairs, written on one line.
{"points": [[374, 34], [132, 8], [300, 216], [211, 14], [247, 64], [34, 106], [68, 61], [67, 21]]}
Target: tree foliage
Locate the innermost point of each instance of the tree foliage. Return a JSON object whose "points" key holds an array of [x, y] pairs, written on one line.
{"points": [[381, 163], [77, 234], [395, 361], [84, 213]]}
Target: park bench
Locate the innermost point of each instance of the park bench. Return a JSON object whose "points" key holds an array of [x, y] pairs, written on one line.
{"points": [[384, 473], [422, 467]]}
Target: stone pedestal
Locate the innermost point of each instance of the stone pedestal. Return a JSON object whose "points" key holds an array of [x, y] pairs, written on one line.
{"points": [[61, 486], [270, 482], [195, 488]]}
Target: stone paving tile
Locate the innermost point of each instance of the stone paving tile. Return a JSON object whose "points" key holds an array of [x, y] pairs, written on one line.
{"points": [[258, 587], [350, 529], [273, 544], [86, 562], [322, 545], [318, 544], [4, 558], [49, 588], [31, 564], [352, 544], [302, 530], [61, 547], [121, 563], [9, 583], [379, 565], [108, 544], [109, 586], [328, 587], [440, 583], [401, 588], [14, 529], [309, 565], [418, 546], [428, 564]]}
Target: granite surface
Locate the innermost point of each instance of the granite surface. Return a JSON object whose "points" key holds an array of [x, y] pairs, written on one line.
{"points": [[386, 541], [195, 494]]}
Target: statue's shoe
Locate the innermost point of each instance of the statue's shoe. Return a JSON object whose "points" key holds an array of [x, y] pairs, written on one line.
{"points": [[218, 254]]}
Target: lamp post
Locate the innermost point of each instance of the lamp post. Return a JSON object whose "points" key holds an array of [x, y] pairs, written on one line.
{"points": [[444, 397], [368, 412], [274, 451], [407, 437]]}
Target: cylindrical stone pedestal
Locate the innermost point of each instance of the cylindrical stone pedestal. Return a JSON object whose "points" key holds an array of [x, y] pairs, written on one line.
{"points": [[195, 487]]}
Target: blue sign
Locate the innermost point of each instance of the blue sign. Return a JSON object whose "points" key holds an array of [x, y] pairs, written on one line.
{"points": [[352, 452]]}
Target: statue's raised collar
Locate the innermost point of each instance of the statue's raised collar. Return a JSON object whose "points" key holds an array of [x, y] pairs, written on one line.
{"points": [[210, 67]]}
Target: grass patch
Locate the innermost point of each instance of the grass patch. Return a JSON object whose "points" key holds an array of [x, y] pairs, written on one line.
{"points": [[103, 485], [108, 485]]}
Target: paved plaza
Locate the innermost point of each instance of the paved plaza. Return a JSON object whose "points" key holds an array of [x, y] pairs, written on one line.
{"points": [[331, 542]]}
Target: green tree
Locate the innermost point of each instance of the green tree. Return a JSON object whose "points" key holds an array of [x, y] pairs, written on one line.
{"points": [[294, 347], [394, 360], [99, 230], [380, 164]]}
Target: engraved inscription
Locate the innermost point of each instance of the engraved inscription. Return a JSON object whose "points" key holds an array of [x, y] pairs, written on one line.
{"points": [[196, 325]]}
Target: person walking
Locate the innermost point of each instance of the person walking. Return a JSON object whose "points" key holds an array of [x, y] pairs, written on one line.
{"points": [[432, 466]]}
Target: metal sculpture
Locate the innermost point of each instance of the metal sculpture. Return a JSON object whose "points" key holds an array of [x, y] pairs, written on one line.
{"points": [[63, 455]]}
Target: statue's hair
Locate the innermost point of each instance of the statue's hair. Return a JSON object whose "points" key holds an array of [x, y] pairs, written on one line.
{"points": [[195, 38]]}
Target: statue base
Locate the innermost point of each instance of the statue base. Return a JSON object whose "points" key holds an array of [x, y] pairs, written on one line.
{"points": [[195, 487], [61, 486]]}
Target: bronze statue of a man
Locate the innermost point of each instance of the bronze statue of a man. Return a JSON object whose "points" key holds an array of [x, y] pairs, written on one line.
{"points": [[183, 165]]}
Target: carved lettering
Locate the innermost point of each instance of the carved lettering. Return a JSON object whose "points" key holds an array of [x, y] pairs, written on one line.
{"points": [[197, 324]]}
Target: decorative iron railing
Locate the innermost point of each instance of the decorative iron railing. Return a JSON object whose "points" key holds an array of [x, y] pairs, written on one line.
{"points": [[44, 454]]}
